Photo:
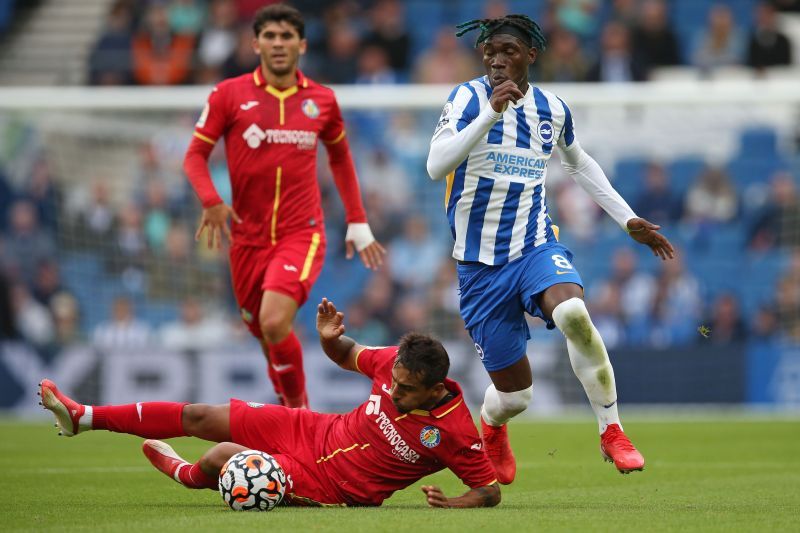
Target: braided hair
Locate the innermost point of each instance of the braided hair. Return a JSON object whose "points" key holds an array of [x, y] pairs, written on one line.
{"points": [[523, 23]]}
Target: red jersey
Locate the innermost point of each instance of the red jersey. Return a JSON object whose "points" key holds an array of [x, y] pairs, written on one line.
{"points": [[271, 147], [379, 450]]}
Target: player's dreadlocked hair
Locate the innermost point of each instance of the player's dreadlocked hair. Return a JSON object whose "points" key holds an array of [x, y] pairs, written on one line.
{"points": [[523, 23]]}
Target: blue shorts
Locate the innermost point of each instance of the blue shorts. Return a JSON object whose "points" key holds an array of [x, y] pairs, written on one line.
{"points": [[494, 300]]}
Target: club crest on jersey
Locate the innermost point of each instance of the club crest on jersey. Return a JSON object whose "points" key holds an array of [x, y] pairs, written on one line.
{"points": [[255, 405], [546, 131], [310, 108], [253, 136], [430, 437]]}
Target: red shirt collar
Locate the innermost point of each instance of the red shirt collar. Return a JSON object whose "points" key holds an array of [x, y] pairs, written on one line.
{"points": [[258, 78]]}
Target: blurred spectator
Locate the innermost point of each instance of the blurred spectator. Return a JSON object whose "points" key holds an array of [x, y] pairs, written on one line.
{"points": [[175, 275], [564, 60], [161, 57], [656, 201], [8, 328], [616, 62], [110, 60], [768, 47], [96, 222], [379, 296], [217, 41], [243, 60], [636, 287], [186, 16], [446, 61], [42, 191], [47, 282], [33, 320], [66, 314], [389, 33], [340, 62], [626, 12], [374, 68], [27, 243], [411, 313], [445, 321], [194, 332], [712, 198], [414, 258], [607, 316], [156, 218], [653, 38], [725, 321], [720, 43], [578, 16], [765, 323], [778, 224], [367, 329], [379, 174], [676, 305], [787, 296], [576, 210], [7, 197], [124, 332], [787, 6], [131, 244]]}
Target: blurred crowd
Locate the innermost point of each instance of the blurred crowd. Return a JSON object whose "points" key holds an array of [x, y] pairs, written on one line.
{"points": [[169, 42]]}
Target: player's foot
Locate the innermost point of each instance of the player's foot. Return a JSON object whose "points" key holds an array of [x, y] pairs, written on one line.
{"points": [[67, 411], [495, 442], [618, 449], [298, 402], [164, 458]]}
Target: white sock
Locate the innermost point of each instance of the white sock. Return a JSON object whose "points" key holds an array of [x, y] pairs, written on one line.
{"points": [[499, 407], [589, 359], [85, 421]]}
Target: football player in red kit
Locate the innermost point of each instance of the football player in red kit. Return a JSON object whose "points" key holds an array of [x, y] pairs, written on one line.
{"points": [[271, 120], [414, 423]]}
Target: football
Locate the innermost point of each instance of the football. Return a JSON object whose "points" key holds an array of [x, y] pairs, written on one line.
{"points": [[252, 481]]}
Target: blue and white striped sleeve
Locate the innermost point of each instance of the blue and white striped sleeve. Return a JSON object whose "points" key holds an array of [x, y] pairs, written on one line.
{"points": [[567, 137], [461, 108]]}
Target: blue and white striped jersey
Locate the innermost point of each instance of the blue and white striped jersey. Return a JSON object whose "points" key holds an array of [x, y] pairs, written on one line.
{"points": [[495, 198]]}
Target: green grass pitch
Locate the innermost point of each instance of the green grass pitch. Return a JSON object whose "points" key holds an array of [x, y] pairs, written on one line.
{"points": [[702, 475]]}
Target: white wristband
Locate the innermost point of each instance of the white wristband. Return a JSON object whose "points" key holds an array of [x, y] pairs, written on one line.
{"points": [[360, 234]]}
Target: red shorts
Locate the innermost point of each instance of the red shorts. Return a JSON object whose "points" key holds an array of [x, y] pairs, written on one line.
{"points": [[290, 267], [294, 437]]}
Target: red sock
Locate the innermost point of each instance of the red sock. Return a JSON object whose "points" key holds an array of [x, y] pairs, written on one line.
{"points": [[194, 478], [151, 420], [275, 378], [286, 359]]}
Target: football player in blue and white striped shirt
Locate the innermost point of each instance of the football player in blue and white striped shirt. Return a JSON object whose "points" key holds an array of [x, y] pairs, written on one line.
{"points": [[492, 144]]}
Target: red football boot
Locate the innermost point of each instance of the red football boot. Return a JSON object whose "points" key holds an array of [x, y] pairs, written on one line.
{"points": [[164, 458], [495, 442], [617, 448], [67, 411]]}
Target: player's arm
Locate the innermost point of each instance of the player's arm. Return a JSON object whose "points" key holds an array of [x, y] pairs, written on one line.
{"points": [[359, 235], [457, 133], [209, 128], [340, 349], [487, 496]]}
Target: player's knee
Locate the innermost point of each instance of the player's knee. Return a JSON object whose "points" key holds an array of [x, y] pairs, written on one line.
{"points": [[572, 318], [275, 327], [513, 403]]}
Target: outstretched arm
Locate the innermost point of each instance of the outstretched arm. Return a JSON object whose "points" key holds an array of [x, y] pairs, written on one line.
{"points": [[487, 496], [330, 326], [588, 174]]}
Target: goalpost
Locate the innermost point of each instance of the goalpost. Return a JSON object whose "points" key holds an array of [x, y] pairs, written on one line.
{"points": [[124, 216]]}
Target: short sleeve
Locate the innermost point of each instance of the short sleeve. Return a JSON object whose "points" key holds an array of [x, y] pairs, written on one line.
{"points": [[466, 457], [567, 136], [334, 130], [370, 358], [462, 107], [213, 121]]}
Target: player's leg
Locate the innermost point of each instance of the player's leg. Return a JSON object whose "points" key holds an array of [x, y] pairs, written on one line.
{"points": [[496, 322], [204, 474], [151, 420], [563, 304], [293, 268], [285, 359]]}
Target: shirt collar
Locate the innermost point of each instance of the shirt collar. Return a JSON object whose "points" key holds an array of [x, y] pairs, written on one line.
{"points": [[442, 410], [258, 78]]}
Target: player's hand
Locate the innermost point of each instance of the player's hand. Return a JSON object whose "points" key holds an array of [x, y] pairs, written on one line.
{"points": [[215, 221], [435, 496], [330, 322], [359, 239], [503, 94], [647, 233]]}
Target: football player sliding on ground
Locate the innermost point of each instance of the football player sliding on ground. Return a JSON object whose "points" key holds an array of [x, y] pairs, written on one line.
{"points": [[414, 423]]}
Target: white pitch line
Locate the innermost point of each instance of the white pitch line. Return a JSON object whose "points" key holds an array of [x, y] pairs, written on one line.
{"points": [[92, 470]]}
